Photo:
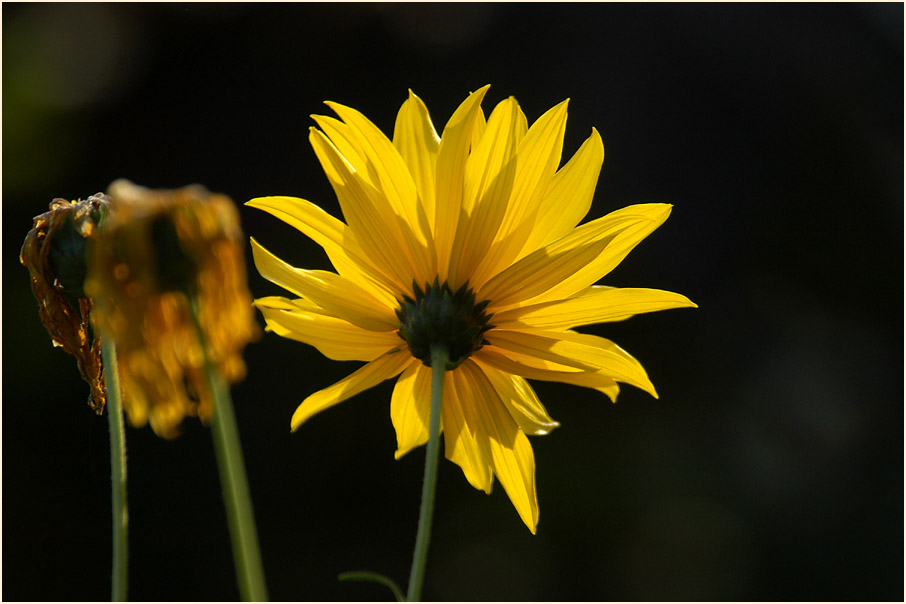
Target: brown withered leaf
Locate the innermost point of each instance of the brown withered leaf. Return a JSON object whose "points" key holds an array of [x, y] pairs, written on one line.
{"points": [[63, 307]]}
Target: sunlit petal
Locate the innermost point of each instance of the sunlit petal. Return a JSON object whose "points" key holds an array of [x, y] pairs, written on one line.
{"points": [[569, 196], [537, 159], [490, 172], [630, 226], [391, 174], [417, 141], [377, 227], [589, 252], [595, 305], [451, 165]]}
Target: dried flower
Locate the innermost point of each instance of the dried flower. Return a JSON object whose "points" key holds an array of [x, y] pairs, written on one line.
{"points": [[54, 253], [156, 253]]}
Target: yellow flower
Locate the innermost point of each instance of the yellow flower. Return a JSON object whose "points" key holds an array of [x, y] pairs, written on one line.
{"points": [[54, 253], [155, 252], [468, 239]]}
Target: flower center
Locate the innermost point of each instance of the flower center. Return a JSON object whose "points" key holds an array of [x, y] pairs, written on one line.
{"points": [[438, 315]]}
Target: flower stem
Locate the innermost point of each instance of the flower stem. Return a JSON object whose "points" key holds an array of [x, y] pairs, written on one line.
{"points": [[439, 357], [233, 481], [120, 573]]}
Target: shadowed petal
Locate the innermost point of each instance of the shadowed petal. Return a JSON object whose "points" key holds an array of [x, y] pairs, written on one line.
{"points": [[334, 236], [410, 408], [463, 447], [335, 338], [382, 368], [520, 400], [511, 453], [579, 350], [538, 369], [338, 297]]}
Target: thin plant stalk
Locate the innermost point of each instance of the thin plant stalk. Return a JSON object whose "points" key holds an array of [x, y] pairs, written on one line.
{"points": [[233, 481], [439, 358], [120, 509]]}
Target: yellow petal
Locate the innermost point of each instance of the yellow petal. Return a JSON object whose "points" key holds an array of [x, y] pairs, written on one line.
{"points": [[382, 368], [462, 446], [339, 297], [596, 305], [480, 125], [315, 223], [385, 179], [537, 273], [511, 453], [391, 174], [569, 196], [520, 400], [384, 236], [578, 350], [537, 369], [537, 159], [630, 226], [331, 234], [490, 171], [410, 407], [417, 142], [335, 338], [343, 138], [451, 164], [589, 251]]}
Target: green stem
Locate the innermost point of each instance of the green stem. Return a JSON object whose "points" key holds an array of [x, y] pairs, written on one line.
{"points": [[233, 481], [439, 358], [367, 575], [120, 573]]}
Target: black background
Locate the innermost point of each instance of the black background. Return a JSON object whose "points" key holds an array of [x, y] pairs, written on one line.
{"points": [[771, 467]]}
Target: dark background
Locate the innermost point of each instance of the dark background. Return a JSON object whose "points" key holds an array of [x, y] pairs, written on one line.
{"points": [[770, 468]]}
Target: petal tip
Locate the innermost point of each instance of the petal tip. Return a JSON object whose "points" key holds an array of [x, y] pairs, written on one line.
{"points": [[298, 419]]}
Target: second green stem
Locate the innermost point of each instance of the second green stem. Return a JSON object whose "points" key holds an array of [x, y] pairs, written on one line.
{"points": [[236, 497]]}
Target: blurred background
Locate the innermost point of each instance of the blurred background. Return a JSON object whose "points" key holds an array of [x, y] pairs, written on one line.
{"points": [[770, 468]]}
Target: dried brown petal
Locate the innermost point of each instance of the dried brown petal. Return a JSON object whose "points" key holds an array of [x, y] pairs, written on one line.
{"points": [[53, 252]]}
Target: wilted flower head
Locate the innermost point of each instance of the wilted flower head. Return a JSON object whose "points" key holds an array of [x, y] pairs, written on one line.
{"points": [[157, 252], [54, 253]]}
